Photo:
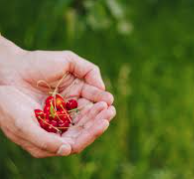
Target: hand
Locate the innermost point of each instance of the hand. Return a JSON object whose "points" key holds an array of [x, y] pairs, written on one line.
{"points": [[20, 95]]}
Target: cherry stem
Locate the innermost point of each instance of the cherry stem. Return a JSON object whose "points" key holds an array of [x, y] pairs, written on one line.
{"points": [[58, 84], [44, 82], [49, 124], [49, 86], [59, 128], [63, 127], [64, 110], [74, 110], [58, 117], [78, 109], [70, 127], [55, 113]]}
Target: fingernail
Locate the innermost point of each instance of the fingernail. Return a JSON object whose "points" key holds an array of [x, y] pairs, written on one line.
{"points": [[108, 97], [103, 85], [112, 112], [64, 150]]}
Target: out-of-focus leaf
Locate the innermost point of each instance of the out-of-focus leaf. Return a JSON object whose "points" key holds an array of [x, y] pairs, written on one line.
{"points": [[124, 27], [61, 6], [115, 8], [70, 24], [97, 17]]}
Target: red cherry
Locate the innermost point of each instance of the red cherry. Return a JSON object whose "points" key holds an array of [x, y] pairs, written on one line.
{"points": [[63, 125], [49, 100], [39, 114], [56, 119], [64, 116], [48, 125], [52, 118], [47, 109], [59, 102], [71, 104], [50, 128], [62, 111], [54, 123], [44, 123]]}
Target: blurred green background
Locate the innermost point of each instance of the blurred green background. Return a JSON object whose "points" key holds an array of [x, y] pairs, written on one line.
{"points": [[145, 50]]}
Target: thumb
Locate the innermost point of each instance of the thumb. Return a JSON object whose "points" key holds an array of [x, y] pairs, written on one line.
{"points": [[19, 108]]}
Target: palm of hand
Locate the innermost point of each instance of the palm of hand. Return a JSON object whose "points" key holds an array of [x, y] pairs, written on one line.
{"points": [[24, 96]]}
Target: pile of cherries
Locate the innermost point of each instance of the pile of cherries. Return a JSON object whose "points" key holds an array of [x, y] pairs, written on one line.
{"points": [[56, 115]]}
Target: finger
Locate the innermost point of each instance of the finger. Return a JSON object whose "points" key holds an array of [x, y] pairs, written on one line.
{"points": [[89, 135], [96, 117], [25, 123], [34, 151], [92, 113], [85, 70], [42, 139], [74, 131], [84, 106], [58, 63], [73, 90], [108, 114], [83, 102], [94, 94]]}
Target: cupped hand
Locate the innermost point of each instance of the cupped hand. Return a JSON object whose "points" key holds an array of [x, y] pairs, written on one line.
{"points": [[22, 90]]}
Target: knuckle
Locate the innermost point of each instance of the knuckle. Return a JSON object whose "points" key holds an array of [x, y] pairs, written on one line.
{"points": [[98, 95], [96, 68], [69, 53], [32, 152], [102, 130], [97, 135], [77, 151], [36, 155], [44, 146], [103, 105]]}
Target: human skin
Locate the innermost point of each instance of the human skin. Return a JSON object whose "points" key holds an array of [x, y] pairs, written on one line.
{"points": [[21, 70]]}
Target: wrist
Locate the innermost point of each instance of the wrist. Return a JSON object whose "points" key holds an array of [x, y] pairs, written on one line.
{"points": [[10, 55]]}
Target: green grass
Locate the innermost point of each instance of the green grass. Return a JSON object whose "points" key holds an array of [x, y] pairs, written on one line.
{"points": [[151, 73]]}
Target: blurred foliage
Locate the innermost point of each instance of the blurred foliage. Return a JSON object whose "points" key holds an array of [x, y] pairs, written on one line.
{"points": [[145, 51]]}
